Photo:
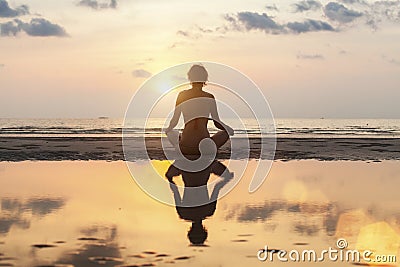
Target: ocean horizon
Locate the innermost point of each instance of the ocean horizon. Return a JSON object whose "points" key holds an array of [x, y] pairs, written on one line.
{"points": [[283, 128]]}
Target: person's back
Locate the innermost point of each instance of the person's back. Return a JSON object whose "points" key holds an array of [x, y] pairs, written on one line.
{"points": [[196, 106], [196, 109]]}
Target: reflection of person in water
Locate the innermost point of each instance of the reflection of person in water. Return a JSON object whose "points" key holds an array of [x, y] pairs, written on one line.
{"points": [[196, 204], [196, 106]]}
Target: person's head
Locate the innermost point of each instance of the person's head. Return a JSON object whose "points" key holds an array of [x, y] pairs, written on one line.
{"points": [[197, 234], [198, 75]]}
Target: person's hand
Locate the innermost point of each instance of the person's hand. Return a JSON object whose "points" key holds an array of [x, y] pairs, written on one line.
{"points": [[169, 178], [228, 176], [166, 130], [173, 187]]}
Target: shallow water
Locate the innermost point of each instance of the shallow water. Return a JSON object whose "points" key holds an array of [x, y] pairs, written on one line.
{"points": [[94, 214], [285, 128]]}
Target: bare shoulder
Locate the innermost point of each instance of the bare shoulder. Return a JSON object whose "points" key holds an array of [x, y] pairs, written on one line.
{"points": [[209, 94], [188, 94], [182, 96], [184, 92]]}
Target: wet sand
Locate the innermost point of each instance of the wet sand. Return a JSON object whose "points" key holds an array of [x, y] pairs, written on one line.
{"points": [[110, 149], [75, 213]]}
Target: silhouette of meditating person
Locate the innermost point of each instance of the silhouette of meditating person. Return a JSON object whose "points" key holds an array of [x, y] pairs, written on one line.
{"points": [[196, 106], [196, 204]]}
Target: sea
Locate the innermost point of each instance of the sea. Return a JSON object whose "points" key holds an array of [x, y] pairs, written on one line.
{"points": [[281, 128]]}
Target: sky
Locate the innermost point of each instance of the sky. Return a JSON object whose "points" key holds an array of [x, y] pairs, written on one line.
{"points": [[311, 59]]}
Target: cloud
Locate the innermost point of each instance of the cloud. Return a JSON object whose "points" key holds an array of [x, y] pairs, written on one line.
{"points": [[203, 30], [176, 44], [338, 12], [309, 25], [306, 5], [89, 3], [271, 7], [246, 21], [372, 22], [389, 10], [113, 4], [43, 27], [352, 2], [306, 229], [36, 27], [16, 210], [394, 61], [256, 21], [94, 4], [183, 33], [192, 34], [9, 28], [269, 209], [7, 12], [391, 60], [260, 213], [195, 32], [337, 18], [310, 56], [233, 23], [376, 12], [385, 3], [90, 253], [141, 73], [144, 61], [43, 206], [373, 12]]}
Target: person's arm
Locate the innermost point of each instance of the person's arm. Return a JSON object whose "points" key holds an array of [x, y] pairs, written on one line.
{"points": [[170, 174], [222, 171], [175, 191], [217, 121], [177, 113]]}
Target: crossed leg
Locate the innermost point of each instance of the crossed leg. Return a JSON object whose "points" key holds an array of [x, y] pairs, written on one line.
{"points": [[220, 138]]}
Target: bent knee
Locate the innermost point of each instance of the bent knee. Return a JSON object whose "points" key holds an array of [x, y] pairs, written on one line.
{"points": [[220, 138]]}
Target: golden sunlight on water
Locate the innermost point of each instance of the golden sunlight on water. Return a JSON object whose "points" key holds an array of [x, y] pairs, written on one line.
{"points": [[380, 238], [93, 214]]}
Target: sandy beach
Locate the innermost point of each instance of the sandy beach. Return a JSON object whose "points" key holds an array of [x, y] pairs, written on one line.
{"points": [[110, 148]]}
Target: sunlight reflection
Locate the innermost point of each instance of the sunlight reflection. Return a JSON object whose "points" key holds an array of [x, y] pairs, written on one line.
{"points": [[349, 225], [379, 238]]}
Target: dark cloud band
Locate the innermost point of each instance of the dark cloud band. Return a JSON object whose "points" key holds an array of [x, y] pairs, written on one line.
{"points": [[36, 27], [338, 12], [246, 21], [7, 12], [306, 5], [94, 4]]}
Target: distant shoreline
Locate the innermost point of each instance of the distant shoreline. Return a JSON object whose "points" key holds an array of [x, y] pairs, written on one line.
{"points": [[15, 149], [284, 128]]}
